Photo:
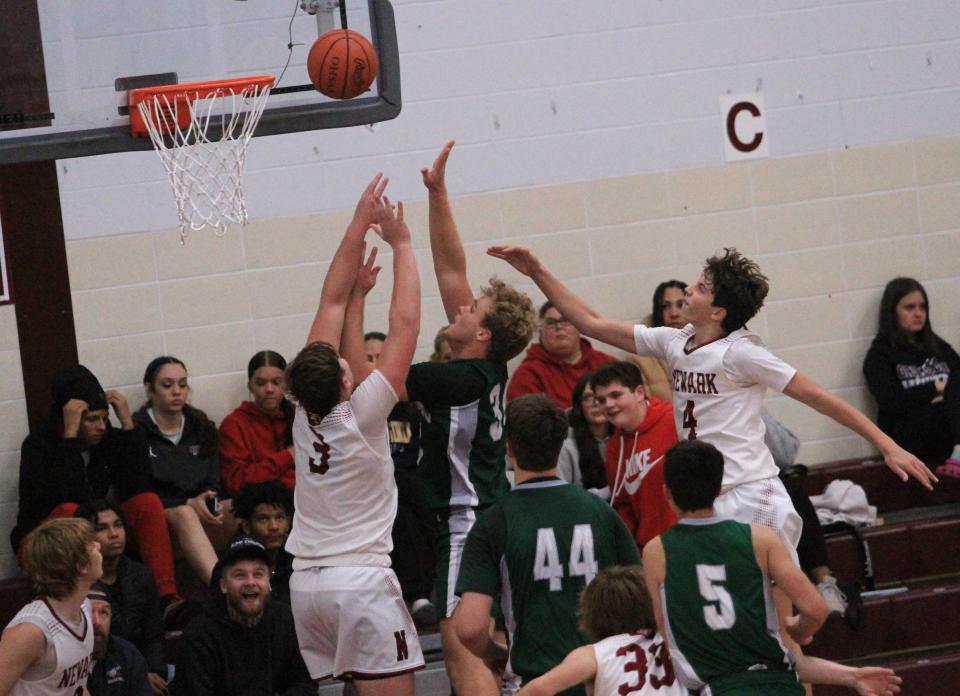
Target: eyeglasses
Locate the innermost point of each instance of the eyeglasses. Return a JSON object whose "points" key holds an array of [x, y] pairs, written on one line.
{"points": [[555, 323]]}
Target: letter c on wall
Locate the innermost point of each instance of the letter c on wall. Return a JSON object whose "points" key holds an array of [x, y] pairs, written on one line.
{"points": [[735, 111]]}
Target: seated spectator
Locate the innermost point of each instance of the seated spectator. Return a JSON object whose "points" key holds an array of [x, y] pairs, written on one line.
{"points": [[915, 377], [554, 365], [265, 511], [255, 440], [136, 615], [119, 669], [37, 656], [76, 456], [243, 643], [643, 430], [582, 456], [184, 463], [442, 352]]}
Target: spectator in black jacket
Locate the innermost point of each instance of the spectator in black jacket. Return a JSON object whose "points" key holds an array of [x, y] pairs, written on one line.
{"points": [[915, 377], [76, 456], [119, 668], [243, 644], [136, 615], [184, 462]]}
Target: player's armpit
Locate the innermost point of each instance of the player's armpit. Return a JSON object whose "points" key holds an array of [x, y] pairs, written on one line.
{"points": [[578, 667]]}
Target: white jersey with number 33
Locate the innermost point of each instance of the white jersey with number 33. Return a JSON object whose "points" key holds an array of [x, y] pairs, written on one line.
{"points": [[346, 496], [718, 390], [635, 664]]}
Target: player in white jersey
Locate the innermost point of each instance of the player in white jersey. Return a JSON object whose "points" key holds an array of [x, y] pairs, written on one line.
{"points": [[46, 649], [351, 620], [720, 371], [629, 656]]}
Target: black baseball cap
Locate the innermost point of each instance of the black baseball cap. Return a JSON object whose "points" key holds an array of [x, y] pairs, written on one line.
{"points": [[244, 548]]}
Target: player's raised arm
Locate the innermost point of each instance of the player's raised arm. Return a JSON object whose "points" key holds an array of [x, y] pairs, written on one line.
{"points": [[577, 667], [901, 462], [449, 261], [351, 344], [570, 305], [404, 316], [328, 322]]}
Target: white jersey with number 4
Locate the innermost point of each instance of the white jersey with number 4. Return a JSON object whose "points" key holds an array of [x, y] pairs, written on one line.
{"points": [[635, 664], [346, 496], [66, 665], [718, 390]]}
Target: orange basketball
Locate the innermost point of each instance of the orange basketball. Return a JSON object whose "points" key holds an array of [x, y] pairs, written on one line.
{"points": [[342, 64]]}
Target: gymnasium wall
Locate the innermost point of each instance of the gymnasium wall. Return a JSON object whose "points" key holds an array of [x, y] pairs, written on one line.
{"points": [[591, 132]]}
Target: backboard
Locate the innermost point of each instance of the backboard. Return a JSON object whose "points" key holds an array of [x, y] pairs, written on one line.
{"points": [[70, 98]]}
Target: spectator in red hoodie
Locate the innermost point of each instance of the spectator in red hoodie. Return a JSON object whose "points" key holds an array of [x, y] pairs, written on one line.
{"points": [[255, 440], [644, 430], [554, 365]]}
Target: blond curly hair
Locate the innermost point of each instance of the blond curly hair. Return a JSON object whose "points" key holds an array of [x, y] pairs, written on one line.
{"points": [[511, 320]]}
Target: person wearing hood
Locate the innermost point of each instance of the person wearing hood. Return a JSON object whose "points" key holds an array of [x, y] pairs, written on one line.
{"points": [[644, 429], [256, 444], [242, 643], [76, 456], [554, 365]]}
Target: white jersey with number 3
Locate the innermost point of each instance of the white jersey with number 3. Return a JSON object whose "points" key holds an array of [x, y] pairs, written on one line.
{"points": [[718, 390], [66, 665], [346, 496], [635, 664]]}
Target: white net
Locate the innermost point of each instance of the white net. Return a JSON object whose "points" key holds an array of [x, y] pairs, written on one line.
{"points": [[204, 159]]}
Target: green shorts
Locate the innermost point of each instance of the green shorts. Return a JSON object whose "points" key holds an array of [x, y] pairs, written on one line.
{"points": [[760, 683]]}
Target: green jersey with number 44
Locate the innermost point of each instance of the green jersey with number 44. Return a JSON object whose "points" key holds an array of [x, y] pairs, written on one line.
{"points": [[722, 624], [539, 546]]}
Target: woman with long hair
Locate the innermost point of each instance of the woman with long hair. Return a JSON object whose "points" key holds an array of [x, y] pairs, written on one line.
{"points": [[582, 456], [915, 377], [184, 463], [667, 306], [256, 443]]}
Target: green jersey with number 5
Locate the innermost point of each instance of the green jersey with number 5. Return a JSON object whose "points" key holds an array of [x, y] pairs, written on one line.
{"points": [[722, 624], [539, 546], [463, 453]]}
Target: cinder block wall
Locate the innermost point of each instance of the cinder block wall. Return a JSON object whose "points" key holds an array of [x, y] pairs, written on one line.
{"points": [[590, 132]]}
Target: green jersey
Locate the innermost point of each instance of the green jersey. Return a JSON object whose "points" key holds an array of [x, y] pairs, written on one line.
{"points": [[463, 453], [722, 625], [539, 546]]}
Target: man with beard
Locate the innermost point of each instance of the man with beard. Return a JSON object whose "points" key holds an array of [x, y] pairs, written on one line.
{"points": [[119, 668], [243, 643], [265, 510]]}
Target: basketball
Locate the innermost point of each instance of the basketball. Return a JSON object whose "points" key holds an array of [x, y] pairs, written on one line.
{"points": [[342, 64]]}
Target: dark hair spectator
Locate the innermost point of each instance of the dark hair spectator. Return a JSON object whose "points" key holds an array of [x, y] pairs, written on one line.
{"points": [[582, 457]]}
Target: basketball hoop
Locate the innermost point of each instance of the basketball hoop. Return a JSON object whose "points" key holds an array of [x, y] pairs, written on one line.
{"points": [[201, 131]]}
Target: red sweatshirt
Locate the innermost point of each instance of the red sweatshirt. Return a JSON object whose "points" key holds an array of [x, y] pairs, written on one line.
{"points": [[252, 449], [635, 473], [541, 373]]}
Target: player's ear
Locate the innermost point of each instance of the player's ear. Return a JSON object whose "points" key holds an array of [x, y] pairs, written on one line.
{"points": [[483, 334], [718, 314], [641, 392]]}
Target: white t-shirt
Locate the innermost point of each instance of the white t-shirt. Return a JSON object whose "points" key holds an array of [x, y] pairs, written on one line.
{"points": [[346, 497], [67, 663], [636, 664], [718, 393]]}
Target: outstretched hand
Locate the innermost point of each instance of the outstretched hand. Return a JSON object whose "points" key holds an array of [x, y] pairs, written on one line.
{"points": [[876, 681], [367, 273], [365, 214], [520, 258], [389, 222], [435, 177], [904, 465]]}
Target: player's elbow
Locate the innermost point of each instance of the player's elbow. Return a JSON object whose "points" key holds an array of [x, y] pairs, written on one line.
{"points": [[472, 633], [817, 612]]}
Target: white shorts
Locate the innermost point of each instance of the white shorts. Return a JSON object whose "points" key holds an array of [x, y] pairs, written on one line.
{"points": [[763, 503], [352, 623]]}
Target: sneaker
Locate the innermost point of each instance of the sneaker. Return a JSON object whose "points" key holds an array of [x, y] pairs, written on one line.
{"points": [[424, 613], [835, 599]]}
